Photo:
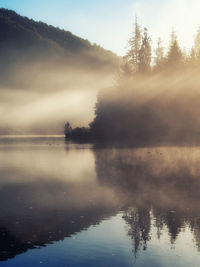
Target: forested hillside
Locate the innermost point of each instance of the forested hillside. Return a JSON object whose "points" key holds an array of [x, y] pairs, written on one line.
{"points": [[46, 73], [25, 41]]}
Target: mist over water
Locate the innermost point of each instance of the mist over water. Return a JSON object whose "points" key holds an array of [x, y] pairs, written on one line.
{"points": [[122, 188], [143, 201]]}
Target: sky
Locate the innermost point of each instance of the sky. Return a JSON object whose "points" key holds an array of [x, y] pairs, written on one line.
{"points": [[109, 23]]}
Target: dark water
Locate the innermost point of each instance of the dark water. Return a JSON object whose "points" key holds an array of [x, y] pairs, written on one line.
{"points": [[80, 205]]}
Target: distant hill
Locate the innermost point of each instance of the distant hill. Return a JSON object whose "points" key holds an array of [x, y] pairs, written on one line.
{"points": [[48, 74], [24, 41]]}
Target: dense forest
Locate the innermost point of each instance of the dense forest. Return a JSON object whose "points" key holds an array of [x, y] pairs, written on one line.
{"points": [[46, 73], [24, 41], [156, 98]]}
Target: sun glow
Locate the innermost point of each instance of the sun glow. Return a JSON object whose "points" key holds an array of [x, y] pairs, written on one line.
{"points": [[163, 16]]}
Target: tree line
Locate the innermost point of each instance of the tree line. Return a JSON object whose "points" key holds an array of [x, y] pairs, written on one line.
{"points": [[155, 101], [141, 59], [24, 41]]}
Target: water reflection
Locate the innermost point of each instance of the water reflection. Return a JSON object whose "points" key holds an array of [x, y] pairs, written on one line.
{"points": [[157, 185], [48, 193]]}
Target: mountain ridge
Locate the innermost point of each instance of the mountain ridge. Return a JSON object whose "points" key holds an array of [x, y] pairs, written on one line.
{"points": [[23, 40]]}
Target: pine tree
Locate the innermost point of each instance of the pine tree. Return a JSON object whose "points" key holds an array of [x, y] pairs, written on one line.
{"points": [[145, 53], [134, 47], [175, 55], [159, 55]]}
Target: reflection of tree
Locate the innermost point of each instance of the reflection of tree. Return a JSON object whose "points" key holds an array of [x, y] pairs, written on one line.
{"points": [[172, 219], [195, 227], [164, 182], [138, 220], [151, 186]]}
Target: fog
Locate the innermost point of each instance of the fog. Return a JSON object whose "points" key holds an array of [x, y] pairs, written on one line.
{"points": [[156, 191], [47, 76], [40, 97], [151, 109]]}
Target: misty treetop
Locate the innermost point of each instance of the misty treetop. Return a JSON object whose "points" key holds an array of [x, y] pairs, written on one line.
{"points": [[140, 57], [156, 99]]}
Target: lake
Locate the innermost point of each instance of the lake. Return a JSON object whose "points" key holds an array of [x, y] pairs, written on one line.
{"points": [[65, 204]]}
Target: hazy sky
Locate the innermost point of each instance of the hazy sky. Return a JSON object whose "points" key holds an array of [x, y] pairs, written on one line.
{"points": [[109, 22]]}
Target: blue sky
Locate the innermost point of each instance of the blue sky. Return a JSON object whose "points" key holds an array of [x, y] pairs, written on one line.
{"points": [[109, 22]]}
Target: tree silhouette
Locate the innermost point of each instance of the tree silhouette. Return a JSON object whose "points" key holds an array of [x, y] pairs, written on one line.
{"points": [[159, 58], [175, 55], [145, 53], [134, 47]]}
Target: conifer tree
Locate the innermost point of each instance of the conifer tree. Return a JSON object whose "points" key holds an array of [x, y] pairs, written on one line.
{"points": [[159, 55], [145, 53], [175, 55], [134, 47]]}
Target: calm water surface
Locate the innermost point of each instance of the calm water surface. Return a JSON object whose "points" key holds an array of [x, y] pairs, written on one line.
{"points": [[67, 205]]}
